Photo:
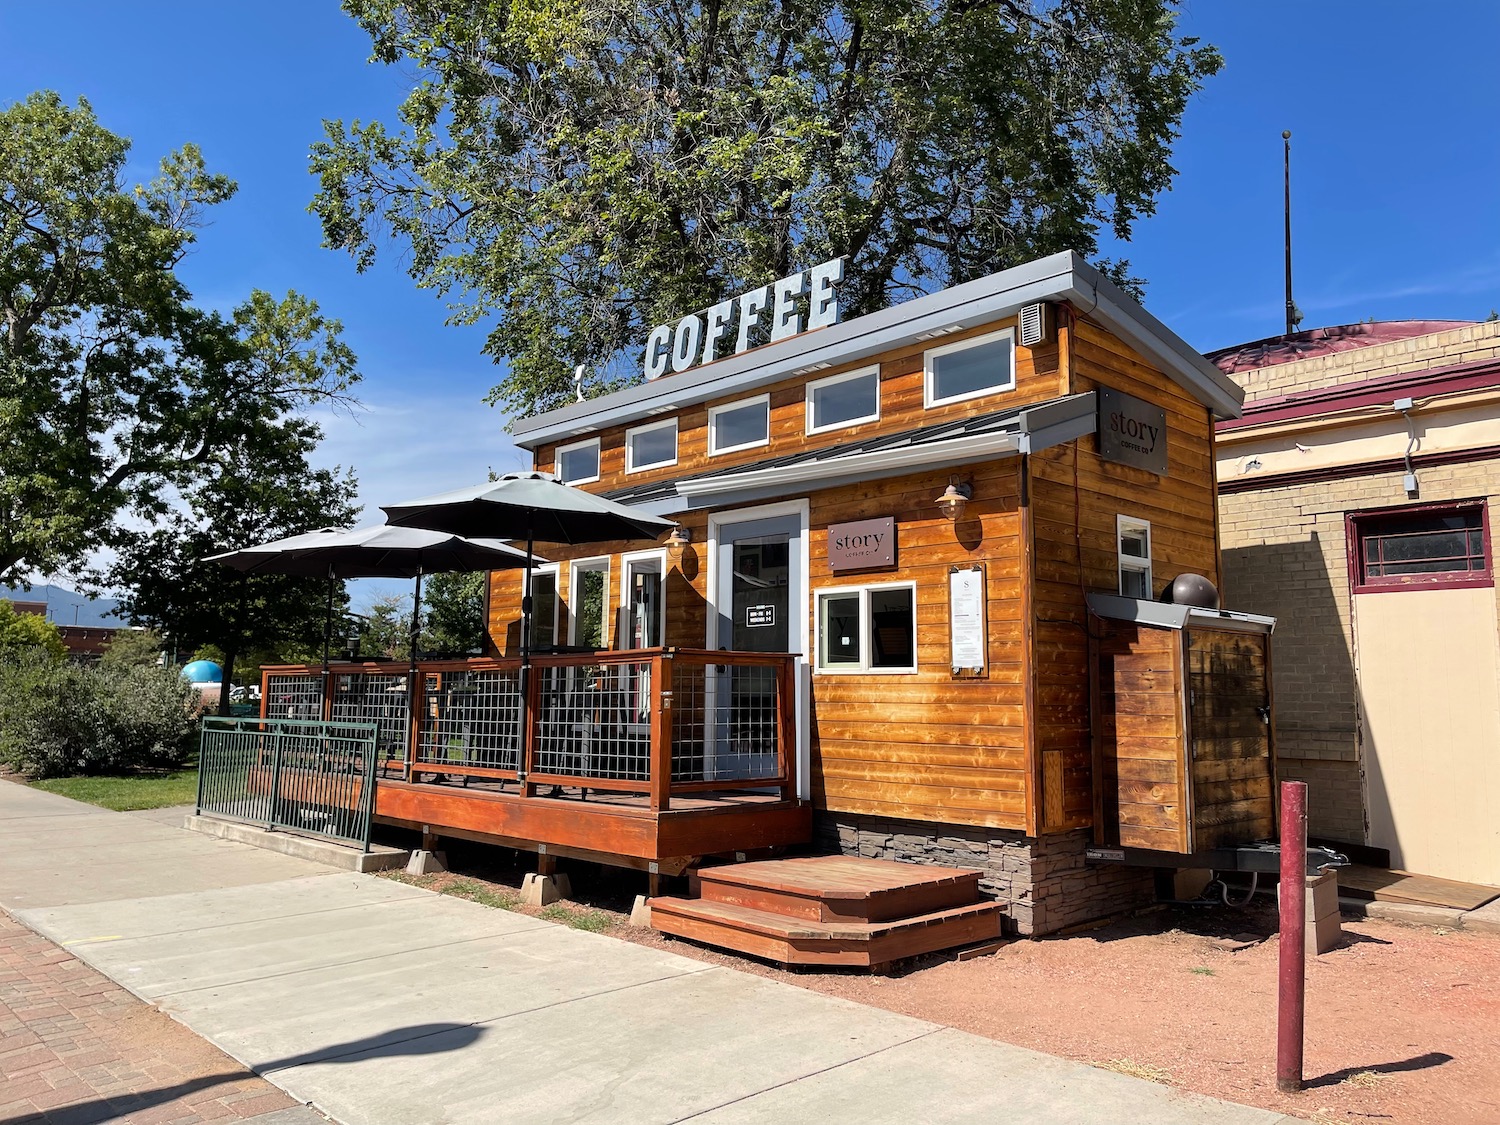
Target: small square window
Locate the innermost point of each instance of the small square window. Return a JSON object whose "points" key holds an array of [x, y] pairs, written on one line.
{"points": [[1420, 548], [578, 463], [868, 629], [1133, 539], [739, 425], [651, 447], [843, 400], [970, 368]]}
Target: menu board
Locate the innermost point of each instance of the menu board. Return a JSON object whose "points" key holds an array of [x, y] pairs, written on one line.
{"points": [[966, 623]]}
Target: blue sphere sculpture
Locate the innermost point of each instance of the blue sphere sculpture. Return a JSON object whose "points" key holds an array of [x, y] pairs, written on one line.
{"points": [[203, 672]]}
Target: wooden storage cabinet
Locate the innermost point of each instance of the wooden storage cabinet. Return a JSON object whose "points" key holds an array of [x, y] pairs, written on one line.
{"points": [[1181, 702]]}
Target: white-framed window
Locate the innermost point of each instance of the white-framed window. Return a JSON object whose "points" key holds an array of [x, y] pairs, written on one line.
{"points": [[1133, 540], [982, 365], [588, 603], [544, 607], [652, 446], [643, 610], [843, 400], [739, 425], [578, 463], [867, 628]]}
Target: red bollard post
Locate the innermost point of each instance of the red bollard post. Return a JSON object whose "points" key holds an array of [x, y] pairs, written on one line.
{"points": [[1291, 991]]}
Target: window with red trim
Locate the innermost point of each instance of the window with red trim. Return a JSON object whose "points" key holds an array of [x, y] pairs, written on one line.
{"points": [[1434, 546]]}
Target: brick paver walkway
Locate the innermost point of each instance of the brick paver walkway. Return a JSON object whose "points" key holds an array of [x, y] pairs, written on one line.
{"points": [[76, 1048]]}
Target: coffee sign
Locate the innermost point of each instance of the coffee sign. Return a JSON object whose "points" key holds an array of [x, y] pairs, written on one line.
{"points": [[862, 544], [1132, 432], [805, 300]]}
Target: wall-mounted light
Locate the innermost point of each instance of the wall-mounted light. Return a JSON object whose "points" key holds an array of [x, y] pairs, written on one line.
{"points": [[955, 499], [678, 540]]}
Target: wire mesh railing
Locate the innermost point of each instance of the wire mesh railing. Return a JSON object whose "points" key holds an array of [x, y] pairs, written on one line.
{"points": [[653, 722], [313, 777]]}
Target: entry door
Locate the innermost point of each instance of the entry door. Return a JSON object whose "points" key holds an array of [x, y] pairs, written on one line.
{"points": [[760, 593]]}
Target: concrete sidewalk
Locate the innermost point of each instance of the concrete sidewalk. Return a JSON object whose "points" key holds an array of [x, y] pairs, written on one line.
{"points": [[382, 1003]]}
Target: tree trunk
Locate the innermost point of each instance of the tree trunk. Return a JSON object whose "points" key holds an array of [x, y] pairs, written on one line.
{"points": [[227, 683]]}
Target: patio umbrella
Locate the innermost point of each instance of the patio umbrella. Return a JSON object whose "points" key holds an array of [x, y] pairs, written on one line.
{"points": [[377, 551], [531, 506]]}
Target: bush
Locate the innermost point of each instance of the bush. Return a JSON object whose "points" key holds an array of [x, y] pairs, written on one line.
{"points": [[23, 631], [59, 719]]}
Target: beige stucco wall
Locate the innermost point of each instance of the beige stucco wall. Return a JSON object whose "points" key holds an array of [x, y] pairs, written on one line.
{"points": [[1430, 701]]}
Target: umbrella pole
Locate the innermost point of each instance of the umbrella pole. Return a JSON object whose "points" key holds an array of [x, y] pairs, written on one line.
{"points": [[411, 675], [323, 711], [523, 728]]}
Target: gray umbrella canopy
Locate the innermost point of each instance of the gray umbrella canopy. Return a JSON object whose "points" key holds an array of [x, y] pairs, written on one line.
{"points": [[528, 506], [379, 551]]}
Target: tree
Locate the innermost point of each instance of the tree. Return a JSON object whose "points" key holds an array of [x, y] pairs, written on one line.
{"points": [[114, 389], [577, 173], [386, 631], [453, 613], [28, 632], [266, 491], [134, 648]]}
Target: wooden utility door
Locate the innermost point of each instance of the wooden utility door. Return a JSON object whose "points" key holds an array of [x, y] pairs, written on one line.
{"points": [[1231, 768]]}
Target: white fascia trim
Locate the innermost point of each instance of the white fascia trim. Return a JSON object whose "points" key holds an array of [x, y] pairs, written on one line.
{"points": [[980, 445]]}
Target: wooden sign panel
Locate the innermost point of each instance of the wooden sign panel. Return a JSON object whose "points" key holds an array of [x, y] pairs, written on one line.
{"points": [[862, 545], [1132, 432]]}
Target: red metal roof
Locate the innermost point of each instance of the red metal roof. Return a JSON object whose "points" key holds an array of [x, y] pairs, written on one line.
{"points": [[1324, 341]]}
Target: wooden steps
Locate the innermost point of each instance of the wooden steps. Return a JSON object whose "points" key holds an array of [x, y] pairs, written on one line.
{"points": [[831, 910]]}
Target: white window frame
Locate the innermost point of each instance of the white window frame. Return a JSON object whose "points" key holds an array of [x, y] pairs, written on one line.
{"points": [[630, 465], [866, 636], [658, 556], [598, 461], [739, 404], [1130, 563], [929, 400], [600, 564], [832, 380], [553, 570]]}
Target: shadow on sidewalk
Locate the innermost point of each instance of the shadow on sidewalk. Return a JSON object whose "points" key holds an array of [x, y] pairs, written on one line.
{"points": [[418, 1039]]}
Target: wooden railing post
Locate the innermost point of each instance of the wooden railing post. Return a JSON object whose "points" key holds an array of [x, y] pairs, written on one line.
{"points": [[661, 732], [786, 726], [532, 695]]}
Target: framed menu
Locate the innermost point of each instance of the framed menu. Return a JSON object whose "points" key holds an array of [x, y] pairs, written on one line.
{"points": [[967, 634]]}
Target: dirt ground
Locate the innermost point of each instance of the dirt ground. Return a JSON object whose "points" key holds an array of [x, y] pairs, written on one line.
{"points": [[1403, 1023]]}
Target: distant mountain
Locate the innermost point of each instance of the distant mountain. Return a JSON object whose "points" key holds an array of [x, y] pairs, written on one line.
{"points": [[64, 607]]}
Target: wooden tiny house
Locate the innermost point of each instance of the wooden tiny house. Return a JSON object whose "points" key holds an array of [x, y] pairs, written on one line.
{"points": [[870, 633]]}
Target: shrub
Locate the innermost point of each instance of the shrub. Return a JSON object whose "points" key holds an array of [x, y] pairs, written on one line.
{"points": [[59, 719], [22, 631]]}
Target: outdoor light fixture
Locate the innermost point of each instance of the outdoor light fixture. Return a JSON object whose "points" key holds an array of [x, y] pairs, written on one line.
{"points": [[955, 499], [678, 541]]}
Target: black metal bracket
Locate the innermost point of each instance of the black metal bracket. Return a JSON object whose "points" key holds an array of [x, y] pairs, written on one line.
{"points": [[1264, 857]]}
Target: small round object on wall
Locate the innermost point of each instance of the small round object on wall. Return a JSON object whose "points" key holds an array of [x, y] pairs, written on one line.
{"points": [[1193, 590]]}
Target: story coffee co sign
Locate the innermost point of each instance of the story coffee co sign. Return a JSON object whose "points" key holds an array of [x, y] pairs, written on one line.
{"points": [[862, 544], [805, 300], [1132, 432]]}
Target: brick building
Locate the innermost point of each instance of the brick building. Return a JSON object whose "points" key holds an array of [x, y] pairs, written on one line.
{"points": [[1355, 498]]}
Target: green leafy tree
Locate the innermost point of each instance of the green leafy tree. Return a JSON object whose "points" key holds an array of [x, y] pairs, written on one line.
{"points": [[114, 389], [134, 648], [385, 632], [268, 491], [453, 613], [30, 632], [575, 173]]}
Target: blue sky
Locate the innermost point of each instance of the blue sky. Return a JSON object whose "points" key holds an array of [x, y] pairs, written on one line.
{"points": [[1396, 183]]}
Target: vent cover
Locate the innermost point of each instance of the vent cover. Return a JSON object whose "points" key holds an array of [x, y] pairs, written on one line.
{"points": [[1036, 324]]}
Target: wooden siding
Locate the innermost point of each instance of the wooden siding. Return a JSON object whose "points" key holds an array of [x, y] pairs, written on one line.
{"points": [[1075, 496], [1139, 714], [1233, 770]]}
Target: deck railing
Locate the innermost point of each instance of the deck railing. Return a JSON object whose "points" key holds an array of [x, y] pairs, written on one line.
{"points": [[654, 722], [309, 776]]}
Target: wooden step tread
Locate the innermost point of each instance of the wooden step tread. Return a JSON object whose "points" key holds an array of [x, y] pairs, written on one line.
{"points": [[800, 929], [836, 876]]}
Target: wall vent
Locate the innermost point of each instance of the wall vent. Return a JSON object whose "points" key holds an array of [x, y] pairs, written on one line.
{"points": [[1036, 324]]}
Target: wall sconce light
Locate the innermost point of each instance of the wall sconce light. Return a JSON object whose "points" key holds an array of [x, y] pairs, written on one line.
{"points": [[678, 540], [955, 499]]}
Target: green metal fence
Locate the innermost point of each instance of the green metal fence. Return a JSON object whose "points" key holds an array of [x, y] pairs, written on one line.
{"points": [[311, 777]]}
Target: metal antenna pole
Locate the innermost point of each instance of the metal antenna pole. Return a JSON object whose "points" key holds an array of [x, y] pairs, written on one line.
{"points": [[1286, 168]]}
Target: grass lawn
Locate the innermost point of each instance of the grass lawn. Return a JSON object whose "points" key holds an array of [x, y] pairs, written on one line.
{"points": [[126, 794]]}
